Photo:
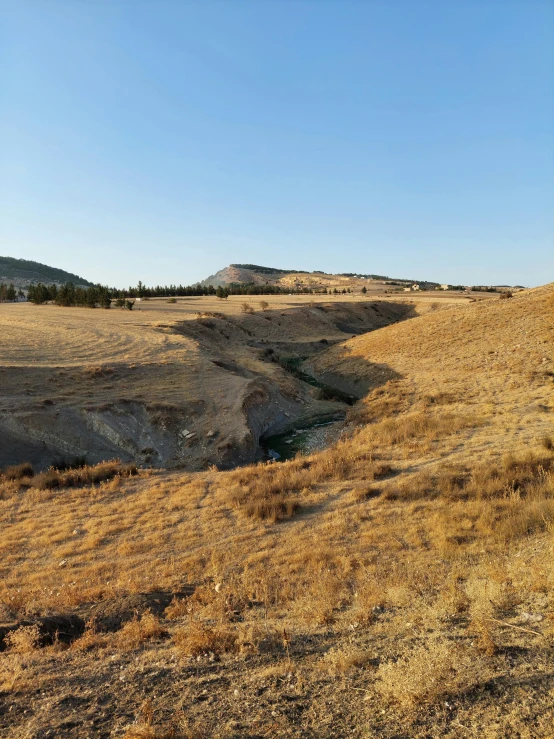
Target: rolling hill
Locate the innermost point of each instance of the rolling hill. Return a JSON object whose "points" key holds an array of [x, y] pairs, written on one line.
{"points": [[23, 271]]}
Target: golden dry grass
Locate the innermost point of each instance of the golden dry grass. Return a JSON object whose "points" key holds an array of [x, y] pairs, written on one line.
{"points": [[406, 569]]}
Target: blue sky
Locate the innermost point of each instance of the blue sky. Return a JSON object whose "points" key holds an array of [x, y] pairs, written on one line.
{"points": [[157, 140]]}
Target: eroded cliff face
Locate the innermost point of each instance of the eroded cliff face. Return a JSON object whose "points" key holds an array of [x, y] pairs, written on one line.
{"points": [[205, 393]]}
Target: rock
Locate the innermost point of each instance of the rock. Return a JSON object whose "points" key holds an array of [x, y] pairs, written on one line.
{"points": [[526, 618], [190, 436], [63, 563], [210, 434], [184, 432]]}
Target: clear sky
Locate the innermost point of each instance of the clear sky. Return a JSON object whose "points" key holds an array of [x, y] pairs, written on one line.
{"points": [[159, 140]]}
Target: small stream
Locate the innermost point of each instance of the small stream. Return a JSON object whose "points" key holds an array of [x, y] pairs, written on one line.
{"points": [[318, 434], [299, 441], [292, 365]]}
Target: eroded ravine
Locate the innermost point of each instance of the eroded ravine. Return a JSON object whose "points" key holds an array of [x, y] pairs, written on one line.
{"points": [[209, 391]]}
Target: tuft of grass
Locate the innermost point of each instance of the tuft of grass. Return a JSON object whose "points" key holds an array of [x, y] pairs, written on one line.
{"points": [[137, 632], [430, 672]]}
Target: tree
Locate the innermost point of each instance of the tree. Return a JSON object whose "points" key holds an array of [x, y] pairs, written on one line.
{"points": [[39, 294], [104, 298], [220, 293], [10, 293], [247, 308], [364, 289], [264, 305]]}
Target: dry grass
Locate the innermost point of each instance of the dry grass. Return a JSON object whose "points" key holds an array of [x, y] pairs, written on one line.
{"points": [[137, 632], [432, 671], [387, 573]]}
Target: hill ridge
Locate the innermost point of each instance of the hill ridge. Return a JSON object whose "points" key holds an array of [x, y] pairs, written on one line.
{"points": [[24, 271]]}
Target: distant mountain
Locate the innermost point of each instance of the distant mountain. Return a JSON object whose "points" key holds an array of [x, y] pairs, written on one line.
{"points": [[22, 271]]}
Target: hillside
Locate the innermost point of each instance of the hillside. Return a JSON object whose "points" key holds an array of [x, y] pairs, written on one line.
{"points": [[286, 279], [398, 583], [23, 271]]}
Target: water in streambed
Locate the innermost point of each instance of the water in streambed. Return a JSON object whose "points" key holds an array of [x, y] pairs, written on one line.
{"points": [[300, 441]]}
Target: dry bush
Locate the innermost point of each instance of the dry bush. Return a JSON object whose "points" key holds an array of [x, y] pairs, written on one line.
{"points": [[341, 660], [199, 638], [83, 476], [182, 727], [431, 671], [247, 308], [23, 640], [178, 608], [138, 631], [90, 639], [273, 509], [485, 641], [18, 471]]}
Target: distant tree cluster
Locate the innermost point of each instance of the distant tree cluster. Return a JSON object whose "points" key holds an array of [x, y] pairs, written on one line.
{"points": [[69, 295], [8, 293]]}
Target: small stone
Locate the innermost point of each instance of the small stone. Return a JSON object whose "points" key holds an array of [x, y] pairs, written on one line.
{"points": [[63, 563], [210, 434], [531, 617]]}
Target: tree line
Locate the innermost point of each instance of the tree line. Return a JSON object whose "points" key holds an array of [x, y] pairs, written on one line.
{"points": [[100, 296]]}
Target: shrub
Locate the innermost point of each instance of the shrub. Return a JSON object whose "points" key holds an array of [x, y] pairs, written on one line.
{"points": [[198, 638], [138, 631], [24, 639], [247, 308], [81, 476], [19, 471]]}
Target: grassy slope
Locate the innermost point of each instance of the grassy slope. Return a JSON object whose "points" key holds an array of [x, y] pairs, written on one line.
{"points": [[385, 605]]}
